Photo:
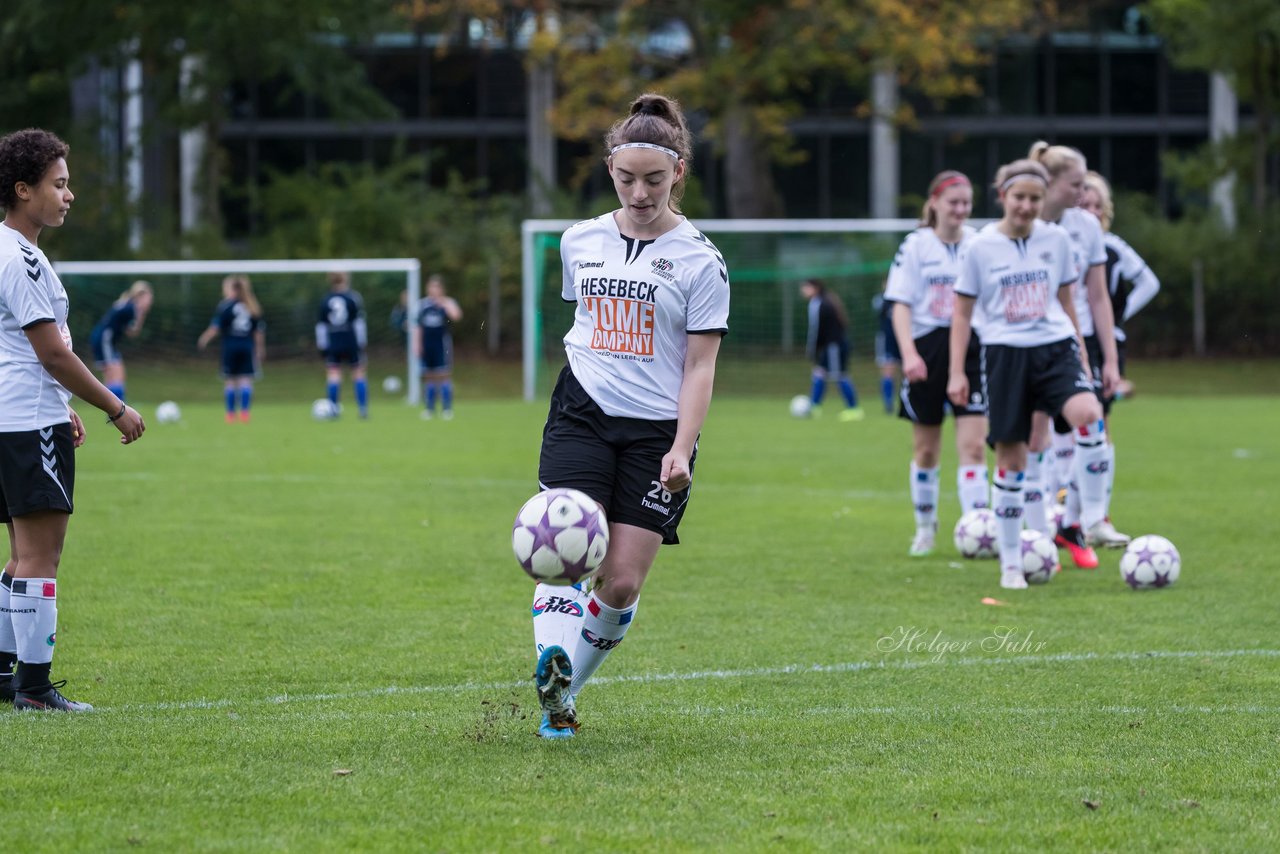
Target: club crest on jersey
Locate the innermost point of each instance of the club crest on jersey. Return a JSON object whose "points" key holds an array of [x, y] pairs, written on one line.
{"points": [[662, 269]]}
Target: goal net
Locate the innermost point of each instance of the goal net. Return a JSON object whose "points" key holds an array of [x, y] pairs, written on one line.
{"points": [[767, 261], [162, 360]]}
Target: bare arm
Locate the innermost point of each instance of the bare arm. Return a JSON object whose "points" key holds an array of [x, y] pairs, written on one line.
{"points": [[961, 330], [71, 373], [1068, 303], [695, 399], [913, 367], [207, 336], [452, 309]]}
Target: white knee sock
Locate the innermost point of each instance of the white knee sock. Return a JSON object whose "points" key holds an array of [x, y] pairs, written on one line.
{"points": [[8, 643], [924, 497], [1007, 503], [1033, 494], [557, 616], [1111, 477], [971, 484], [603, 628], [1091, 472], [1064, 455], [34, 606]]}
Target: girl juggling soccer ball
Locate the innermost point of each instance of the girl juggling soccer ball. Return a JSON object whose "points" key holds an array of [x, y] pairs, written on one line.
{"points": [[652, 303]]}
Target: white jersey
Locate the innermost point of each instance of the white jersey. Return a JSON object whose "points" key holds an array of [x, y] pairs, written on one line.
{"points": [[1015, 283], [1088, 250], [923, 276], [638, 300], [1124, 264], [30, 292]]}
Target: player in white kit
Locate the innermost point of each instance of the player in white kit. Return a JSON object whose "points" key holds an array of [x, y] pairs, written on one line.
{"points": [[38, 431], [1066, 167], [920, 286], [652, 297], [1014, 289]]}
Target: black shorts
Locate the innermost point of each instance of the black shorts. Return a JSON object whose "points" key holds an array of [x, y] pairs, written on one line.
{"points": [[238, 362], [37, 471], [436, 357], [1094, 349], [102, 343], [617, 461], [926, 402], [833, 358], [335, 357], [1019, 380]]}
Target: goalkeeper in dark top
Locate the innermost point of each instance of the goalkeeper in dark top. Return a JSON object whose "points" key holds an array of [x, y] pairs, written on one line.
{"points": [[341, 337]]}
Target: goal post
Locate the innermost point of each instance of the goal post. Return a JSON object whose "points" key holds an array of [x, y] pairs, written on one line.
{"points": [[287, 288], [767, 260]]}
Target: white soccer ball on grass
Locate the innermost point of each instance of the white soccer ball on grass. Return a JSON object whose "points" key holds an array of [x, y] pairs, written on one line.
{"points": [[975, 534], [324, 409], [1039, 557], [1149, 562], [168, 413], [392, 384], [801, 406]]}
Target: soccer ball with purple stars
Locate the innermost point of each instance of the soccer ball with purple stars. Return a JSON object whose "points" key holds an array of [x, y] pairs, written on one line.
{"points": [[1039, 557], [1150, 561], [975, 534], [560, 536]]}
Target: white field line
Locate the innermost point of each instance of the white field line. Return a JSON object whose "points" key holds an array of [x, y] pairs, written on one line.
{"points": [[744, 673]]}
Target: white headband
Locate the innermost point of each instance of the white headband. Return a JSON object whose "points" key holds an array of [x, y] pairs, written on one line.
{"points": [[1019, 176], [661, 148]]}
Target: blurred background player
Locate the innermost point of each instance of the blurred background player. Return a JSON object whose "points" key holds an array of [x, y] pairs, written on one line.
{"points": [[341, 336], [1095, 318], [624, 429], [124, 318], [1014, 286], [920, 293], [1131, 282], [888, 355], [828, 347], [435, 314], [238, 319], [39, 432]]}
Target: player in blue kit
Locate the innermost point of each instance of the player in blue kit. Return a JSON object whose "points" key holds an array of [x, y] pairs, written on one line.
{"points": [[238, 319], [123, 319], [651, 303], [828, 348], [435, 314], [341, 336]]}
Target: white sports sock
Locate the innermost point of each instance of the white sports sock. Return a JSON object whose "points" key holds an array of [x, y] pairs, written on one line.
{"points": [[924, 497], [603, 628], [1064, 455], [1008, 503], [1033, 494], [8, 643], [557, 614], [971, 484], [1111, 478], [1091, 472], [34, 606], [1071, 510]]}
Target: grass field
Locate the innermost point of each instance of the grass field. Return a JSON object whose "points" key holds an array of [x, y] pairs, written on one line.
{"points": [[313, 637]]}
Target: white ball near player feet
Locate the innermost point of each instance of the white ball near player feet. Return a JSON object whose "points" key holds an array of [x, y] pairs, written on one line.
{"points": [[975, 534], [392, 384], [1149, 562], [801, 406], [1039, 557], [168, 413], [324, 410], [560, 536]]}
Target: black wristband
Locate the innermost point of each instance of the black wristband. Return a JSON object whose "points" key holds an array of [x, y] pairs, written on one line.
{"points": [[112, 419]]}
